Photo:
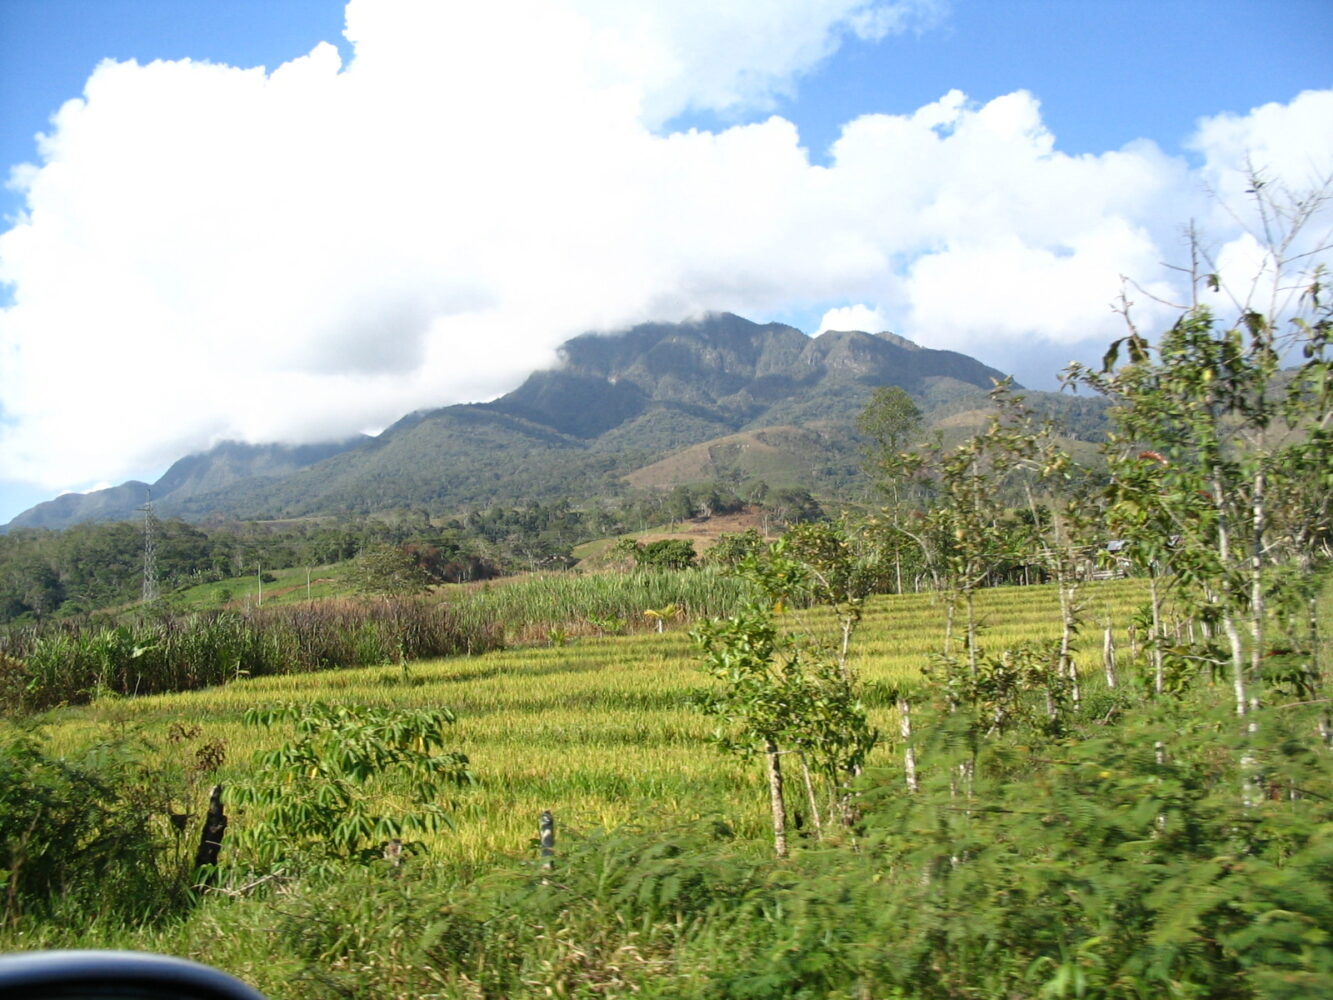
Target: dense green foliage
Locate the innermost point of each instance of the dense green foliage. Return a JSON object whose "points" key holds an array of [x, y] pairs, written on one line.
{"points": [[66, 574], [317, 794], [83, 836], [665, 553], [1085, 866]]}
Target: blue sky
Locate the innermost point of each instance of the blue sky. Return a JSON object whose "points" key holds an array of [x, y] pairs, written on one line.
{"points": [[418, 214]]}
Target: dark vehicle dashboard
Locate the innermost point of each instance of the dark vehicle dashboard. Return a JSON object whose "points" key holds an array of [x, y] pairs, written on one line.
{"points": [[126, 975]]}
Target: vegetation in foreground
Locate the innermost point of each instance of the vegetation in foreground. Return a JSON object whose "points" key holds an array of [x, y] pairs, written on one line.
{"points": [[1171, 864], [1146, 816]]}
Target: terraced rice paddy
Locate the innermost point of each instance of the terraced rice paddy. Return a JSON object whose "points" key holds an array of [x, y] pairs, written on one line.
{"points": [[599, 730]]}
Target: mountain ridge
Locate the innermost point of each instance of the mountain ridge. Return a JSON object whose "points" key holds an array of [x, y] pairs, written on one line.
{"points": [[614, 403]]}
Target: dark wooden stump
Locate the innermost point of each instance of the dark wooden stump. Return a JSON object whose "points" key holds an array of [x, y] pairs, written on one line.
{"points": [[210, 841]]}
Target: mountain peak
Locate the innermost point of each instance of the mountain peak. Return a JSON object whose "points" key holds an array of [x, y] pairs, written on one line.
{"points": [[613, 400]]}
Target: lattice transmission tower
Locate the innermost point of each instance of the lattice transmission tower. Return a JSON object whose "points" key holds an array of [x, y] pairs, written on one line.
{"points": [[150, 594]]}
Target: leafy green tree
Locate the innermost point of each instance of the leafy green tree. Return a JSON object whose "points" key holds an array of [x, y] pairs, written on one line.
{"points": [[730, 549], [889, 421], [778, 695], [792, 693], [667, 553], [82, 833], [969, 531], [391, 571], [791, 505], [832, 564], [679, 504], [1064, 523]]}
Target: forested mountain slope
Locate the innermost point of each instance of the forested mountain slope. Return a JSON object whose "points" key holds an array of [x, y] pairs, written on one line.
{"points": [[616, 404]]}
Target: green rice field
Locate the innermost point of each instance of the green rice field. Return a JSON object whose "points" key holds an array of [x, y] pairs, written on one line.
{"points": [[598, 729]]}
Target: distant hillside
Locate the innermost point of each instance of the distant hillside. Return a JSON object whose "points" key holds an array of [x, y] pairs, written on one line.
{"points": [[653, 406], [221, 468], [780, 456]]}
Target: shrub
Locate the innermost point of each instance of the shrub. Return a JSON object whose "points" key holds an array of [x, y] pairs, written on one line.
{"points": [[321, 796], [83, 837]]}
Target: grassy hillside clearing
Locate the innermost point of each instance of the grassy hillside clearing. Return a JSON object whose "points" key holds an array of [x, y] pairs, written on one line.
{"points": [[703, 532], [780, 456]]}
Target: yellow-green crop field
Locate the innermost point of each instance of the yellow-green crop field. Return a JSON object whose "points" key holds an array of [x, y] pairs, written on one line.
{"points": [[598, 730]]}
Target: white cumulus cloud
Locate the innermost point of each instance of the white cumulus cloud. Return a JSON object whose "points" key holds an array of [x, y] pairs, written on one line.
{"points": [[858, 317]]}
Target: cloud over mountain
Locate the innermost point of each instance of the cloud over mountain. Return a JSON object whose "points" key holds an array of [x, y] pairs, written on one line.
{"points": [[212, 252]]}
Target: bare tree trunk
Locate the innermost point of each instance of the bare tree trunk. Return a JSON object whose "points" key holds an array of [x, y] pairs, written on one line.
{"points": [[1108, 657], [776, 798], [1257, 512], [1067, 625], [848, 624], [1237, 662], [1155, 640], [971, 634], [1228, 620], [909, 751], [811, 798]]}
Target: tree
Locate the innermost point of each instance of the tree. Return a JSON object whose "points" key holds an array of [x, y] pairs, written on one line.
{"points": [[323, 795], [792, 505], [1063, 522], [889, 420], [390, 571], [730, 549], [779, 695], [969, 531], [783, 692], [666, 553], [1241, 443]]}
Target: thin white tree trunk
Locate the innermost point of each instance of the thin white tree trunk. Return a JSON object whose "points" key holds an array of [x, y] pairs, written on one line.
{"points": [[909, 750], [812, 798], [776, 798], [1257, 604], [1155, 640], [1108, 658], [1228, 619]]}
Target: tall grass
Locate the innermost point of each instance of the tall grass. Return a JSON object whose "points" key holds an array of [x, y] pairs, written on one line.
{"points": [[574, 602], [68, 663]]}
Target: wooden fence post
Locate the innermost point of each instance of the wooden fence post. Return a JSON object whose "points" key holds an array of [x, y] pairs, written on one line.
{"points": [[210, 841], [546, 828]]}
